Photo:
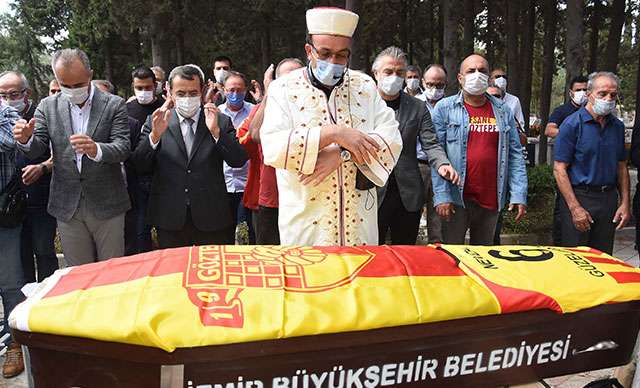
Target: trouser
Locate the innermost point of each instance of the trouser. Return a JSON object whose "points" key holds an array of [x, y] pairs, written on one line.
{"points": [[86, 239], [189, 235], [602, 208], [267, 232], [241, 214], [434, 223], [37, 238], [137, 233], [480, 222], [636, 215], [11, 277], [393, 216], [556, 229]]}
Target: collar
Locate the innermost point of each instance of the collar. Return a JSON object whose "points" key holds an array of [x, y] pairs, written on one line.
{"points": [[586, 117]]}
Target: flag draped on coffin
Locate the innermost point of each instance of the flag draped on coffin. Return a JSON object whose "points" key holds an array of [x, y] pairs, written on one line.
{"points": [[212, 295]]}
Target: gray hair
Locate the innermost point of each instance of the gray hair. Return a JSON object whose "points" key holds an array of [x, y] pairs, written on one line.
{"points": [[107, 84], [187, 72], [68, 55], [288, 60], [598, 74], [23, 79], [391, 51]]}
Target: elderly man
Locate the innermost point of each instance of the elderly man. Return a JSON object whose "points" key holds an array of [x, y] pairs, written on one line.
{"points": [[38, 227], [331, 138], [11, 277], [402, 198], [480, 137], [54, 87], [412, 79], [161, 77], [499, 78], [591, 169], [434, 82], [183, 145], [89, 134]]}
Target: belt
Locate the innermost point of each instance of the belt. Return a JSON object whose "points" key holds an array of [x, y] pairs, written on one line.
{"points": [[595, 188]]}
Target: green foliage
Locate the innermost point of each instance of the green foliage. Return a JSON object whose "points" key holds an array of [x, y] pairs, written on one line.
{"points": [[540, 200]]}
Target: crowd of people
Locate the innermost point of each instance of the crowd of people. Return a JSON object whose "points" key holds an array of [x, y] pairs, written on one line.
{"points": [[319, 154]]}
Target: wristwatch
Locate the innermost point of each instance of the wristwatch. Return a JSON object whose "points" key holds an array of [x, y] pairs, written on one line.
{"points": [[345, 155]]}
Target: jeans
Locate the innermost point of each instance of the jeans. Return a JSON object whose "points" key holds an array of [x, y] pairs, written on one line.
{"points": [[11, 277], [241, 214], [38, 234]]}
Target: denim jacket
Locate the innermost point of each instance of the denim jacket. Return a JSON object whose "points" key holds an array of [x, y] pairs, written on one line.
{"points": [[451, 123]]}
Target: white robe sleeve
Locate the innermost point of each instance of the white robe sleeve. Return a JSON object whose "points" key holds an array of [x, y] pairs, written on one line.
{"points": [[284, 145], [385, 132]]}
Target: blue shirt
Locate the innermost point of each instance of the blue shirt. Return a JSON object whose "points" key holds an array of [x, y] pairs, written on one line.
{"points": [[236, 177], [562, 112], [592, 152]]}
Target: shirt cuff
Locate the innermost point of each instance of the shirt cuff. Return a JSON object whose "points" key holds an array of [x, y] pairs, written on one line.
{"points": [[98, 157], [153, 145], [26, 146]]}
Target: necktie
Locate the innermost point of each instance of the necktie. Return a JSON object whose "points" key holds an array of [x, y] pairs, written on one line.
{"points": [[189, 138]]}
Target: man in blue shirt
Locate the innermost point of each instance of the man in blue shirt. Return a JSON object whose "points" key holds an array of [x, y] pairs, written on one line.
{"points": [[590, 163]]}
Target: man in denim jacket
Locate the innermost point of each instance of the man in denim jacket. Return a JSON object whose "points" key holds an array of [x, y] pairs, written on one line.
{"points": [[480, 136]]}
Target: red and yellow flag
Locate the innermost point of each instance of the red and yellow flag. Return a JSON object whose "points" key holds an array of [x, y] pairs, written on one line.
{"points": [[211, 295]]}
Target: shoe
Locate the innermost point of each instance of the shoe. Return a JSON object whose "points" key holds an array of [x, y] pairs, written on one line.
{"points": [[13, 362]]}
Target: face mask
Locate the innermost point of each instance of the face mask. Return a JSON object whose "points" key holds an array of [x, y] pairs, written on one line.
{"points": [[475, 83], [434, 94], [579, 98], [77, 96], [144, 97], [159, 88], [235, 99], [390, 85], [603, 107], [413, 83], [187, 106], [501, 83], [328, 73], [18, 105], [221, 75]]}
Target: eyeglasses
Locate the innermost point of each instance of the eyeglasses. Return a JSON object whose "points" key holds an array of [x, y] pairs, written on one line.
{"points": [[12, 95], [341, 56], [434, 85]]}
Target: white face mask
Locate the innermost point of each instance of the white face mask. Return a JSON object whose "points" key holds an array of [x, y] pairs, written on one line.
{"points": [[579, 98], [501, 82], [144, 97], [391, 85], [76, 96], [221, 75], [187, 106], [434, 94], [603, 107], [475, 83], [413, 84], [18, 105]]}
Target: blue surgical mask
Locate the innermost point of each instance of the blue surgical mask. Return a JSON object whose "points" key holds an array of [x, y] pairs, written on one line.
{"points": [[328, 73], [603, 107], [235, 98]]}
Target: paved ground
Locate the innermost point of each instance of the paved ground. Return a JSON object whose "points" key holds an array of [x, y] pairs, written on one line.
{"points": [[623, 249]]}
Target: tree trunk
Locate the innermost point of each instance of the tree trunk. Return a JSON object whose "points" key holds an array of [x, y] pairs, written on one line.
{"points": [[108, 58], [441, 31], [179, 36], [550, 14], [615, 32], [490, 38], [356, 43], [596, 19], [450, 41], [468, 28], [159, 45], [431, 21], [574, 52], [526, 60], [513, 47]]}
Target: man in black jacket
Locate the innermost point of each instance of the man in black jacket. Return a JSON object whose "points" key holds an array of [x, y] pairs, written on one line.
{"points": [[183, 144]]}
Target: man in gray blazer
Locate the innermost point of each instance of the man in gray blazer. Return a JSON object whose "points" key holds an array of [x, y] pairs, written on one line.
{"points": [[400, 201], [89, 134]]}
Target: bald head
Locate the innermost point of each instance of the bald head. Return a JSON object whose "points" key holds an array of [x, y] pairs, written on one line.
{"points": [[474, 62], [435, 77]]}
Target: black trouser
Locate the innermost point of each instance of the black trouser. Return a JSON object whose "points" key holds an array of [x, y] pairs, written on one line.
{"points": [[190, 235], [602, 206], [393, 215], [267, 232], [556, 229], [636, 215]]}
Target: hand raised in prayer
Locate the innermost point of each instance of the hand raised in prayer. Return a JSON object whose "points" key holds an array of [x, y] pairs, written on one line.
{"points": [[268, 77], [363, 147], [23, 130], [160, 120], [211, 118], [445, 211], [212, 93], [83, 144], [256, 93], [327, 162], [449, 173]]}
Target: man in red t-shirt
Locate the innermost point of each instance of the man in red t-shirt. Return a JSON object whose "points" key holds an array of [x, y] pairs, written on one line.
{"points": [[261, 194]]}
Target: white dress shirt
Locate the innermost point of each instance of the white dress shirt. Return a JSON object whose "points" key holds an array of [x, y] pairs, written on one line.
{"points": [[236, 177], [184, 127]]}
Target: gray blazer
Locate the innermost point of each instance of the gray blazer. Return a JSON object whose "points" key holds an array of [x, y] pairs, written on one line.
{"points": [[100, 183], [415, 121]]}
